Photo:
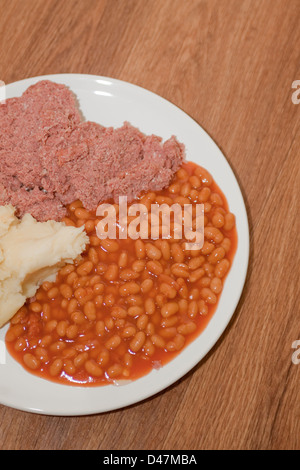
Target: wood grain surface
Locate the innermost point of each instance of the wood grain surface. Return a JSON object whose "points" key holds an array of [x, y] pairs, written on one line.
{"points": [[230, 65]]}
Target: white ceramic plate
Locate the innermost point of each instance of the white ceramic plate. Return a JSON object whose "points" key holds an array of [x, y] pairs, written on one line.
{"points": [[111, 102]]}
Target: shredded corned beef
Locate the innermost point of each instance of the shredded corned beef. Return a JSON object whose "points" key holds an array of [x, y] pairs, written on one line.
{"points": [[50, 156]]}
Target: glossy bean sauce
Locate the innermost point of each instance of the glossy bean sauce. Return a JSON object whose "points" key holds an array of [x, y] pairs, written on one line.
{"points": [[127, 306]]}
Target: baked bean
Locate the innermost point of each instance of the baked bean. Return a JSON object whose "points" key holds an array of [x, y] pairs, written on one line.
{"points": [[154, 267], [137, 341], [95, 241], [208, 295], [229, 222], [19, 316], [194, 294], [134, 300], [128, 274], [207, 248], [218, 220], [71, 278], [56, 367], [74, 205], [57, 346], [168, 332], [170, 308], [61, 328], [150, 329], [123, 259], [103, 358], [14, 332], [195, 263], [42, 354], [146, 286], [93, 369], [142, 321], [50, 326], [128, 331], [158, 341], [135, 311], [66, 270], [80, 359], [85, 268], [152, 251], [77, 317], [69, 353], [216, 285], [226, 244], [66, 291], [46, 341], [72, 306], [174, 188], [177, 253], [89, 226], [31, 361], [129, 288], [204, 175], [196, 275], [53, 292], [216, 199], [93, 256], [124, 301], [176, 344], [72, 331], [180, 270], [140, 249], [187, 328], [203, 308], [222, 268], [35, 307], [20, 344], [216, 255], [213, 234], [113, 342], [110, 245], [183, 306], [109, 323], [46, 286], [195, 182], [183, 291], [98, 300], [169, 321], [115, 370], [192, 309], [112, 272], [168, 290], [100, 327], [150, 306], [204, 195], [138, 266], [69, 367], [81, 213]]}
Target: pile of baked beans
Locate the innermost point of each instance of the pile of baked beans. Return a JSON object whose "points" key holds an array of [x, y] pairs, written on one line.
{"points": [[127, 306]]}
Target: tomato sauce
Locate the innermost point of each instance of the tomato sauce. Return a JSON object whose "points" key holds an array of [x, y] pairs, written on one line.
{"points": [[126, 307]]}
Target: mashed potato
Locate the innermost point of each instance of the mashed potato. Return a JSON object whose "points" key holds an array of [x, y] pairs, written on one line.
{"points": [[30, 253]]}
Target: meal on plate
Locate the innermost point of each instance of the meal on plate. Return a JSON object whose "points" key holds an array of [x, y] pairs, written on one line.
{"points": [[86, 310]]}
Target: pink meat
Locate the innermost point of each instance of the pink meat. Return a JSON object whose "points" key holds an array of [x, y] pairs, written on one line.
{"points": [[50, 157]]}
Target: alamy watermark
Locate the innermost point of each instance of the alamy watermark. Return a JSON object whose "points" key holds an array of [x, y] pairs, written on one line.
{"points": [[296, 94], [164, 221], [2, 352], [296, 354], [2, 92]]}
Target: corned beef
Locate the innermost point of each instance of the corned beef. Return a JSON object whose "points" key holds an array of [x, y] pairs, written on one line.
{"points": [[50, 156]]}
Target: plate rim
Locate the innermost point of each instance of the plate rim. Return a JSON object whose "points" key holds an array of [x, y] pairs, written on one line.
{"points": [[218, 334]]}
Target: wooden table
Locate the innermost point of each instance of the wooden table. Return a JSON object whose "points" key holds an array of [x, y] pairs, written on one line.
{"points": [[230, 64]]}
